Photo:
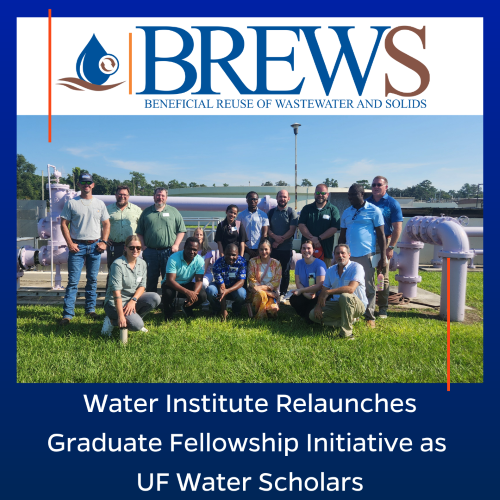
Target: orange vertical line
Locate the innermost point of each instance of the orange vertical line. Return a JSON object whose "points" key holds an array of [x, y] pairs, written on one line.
{"points": [[448, 318], [130, 63], [50, 75]]}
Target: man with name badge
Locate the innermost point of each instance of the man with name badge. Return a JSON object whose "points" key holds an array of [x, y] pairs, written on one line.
{"points": [[319, 221], [362, 225], [182, 267], [343, 298], [123, 218], [160, 230], [256, 224], [393, 219], [81, 220], [283, 222], [230, 273]]}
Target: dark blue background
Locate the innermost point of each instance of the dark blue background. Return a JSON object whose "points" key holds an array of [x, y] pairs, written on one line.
{"points": [[467, 416]]}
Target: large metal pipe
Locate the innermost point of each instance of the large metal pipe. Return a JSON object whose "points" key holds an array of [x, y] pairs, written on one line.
{"points": [[195, 203], [447, 233]]}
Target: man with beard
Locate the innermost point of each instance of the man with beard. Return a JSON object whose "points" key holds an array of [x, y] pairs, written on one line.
{"points": [[123, 217], [343, 298], [81, 220], [160, 230], [319, 221], [283, 222]]}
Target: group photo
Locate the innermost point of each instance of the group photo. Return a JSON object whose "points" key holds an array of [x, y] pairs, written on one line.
{"points": [[295, 253]]}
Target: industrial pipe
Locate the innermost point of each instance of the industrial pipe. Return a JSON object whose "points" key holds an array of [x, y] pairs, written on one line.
{"points": [[194, 203], [451, 236]]}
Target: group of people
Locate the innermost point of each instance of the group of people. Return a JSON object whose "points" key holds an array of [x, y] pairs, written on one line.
{"points": [[251, 265]]}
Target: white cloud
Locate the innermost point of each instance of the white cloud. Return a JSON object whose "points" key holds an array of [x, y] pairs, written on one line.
{"points": [[97, 149], [159, 169]]}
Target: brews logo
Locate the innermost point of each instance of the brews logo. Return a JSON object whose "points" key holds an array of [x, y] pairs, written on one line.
{"points": [[93, 67]]}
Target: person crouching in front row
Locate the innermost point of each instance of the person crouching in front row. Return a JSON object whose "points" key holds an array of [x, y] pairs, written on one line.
{"points": [[229, 278], [309, 277], [182, 266], [126, 302], [343, 296]]}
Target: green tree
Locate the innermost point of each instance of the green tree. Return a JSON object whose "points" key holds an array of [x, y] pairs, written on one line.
{"points": [[281, 183], [364, 183], [306, 182], [140, 185], [193, 185], [27, 180], [225, 185], [331, 183], [267, 183]]}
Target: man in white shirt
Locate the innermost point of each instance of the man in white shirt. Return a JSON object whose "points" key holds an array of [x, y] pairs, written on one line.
{"points": [[343, 296], [256, 224]]}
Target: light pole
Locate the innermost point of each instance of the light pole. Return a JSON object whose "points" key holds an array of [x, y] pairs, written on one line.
{"points": [[295, 127]]}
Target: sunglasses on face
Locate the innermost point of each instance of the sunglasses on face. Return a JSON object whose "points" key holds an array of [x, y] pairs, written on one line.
{"points": [[377, 185], [135, 248], [253, 199], [318, 193], [85, 183]]}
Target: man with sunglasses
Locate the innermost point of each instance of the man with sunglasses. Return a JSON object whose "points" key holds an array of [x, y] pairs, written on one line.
{"points": [[319, 221], [81, 220], [361, 227], [160, 229], [393, 219], [123, 218]]}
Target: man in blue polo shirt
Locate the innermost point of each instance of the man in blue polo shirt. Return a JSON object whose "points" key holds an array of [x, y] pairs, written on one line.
{"points": [[393, 219], [181, 268], [343, 298], [229, 273], [361, 226]]}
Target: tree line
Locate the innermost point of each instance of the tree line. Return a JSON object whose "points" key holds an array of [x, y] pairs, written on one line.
{"points": [[29, 185]]}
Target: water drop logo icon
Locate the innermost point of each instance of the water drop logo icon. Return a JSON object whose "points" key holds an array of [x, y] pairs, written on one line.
{"points": [[94, 66]]}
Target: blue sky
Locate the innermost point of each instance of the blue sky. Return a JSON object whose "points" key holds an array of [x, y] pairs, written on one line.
{"points": [[238, 150]]}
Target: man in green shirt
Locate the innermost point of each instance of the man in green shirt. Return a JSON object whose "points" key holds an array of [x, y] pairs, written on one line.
{"points": [[319, 222], [123, 217], [160, 230]]}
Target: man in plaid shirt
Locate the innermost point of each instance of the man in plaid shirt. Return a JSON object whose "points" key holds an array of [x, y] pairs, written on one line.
{"points": [[229, 273]]}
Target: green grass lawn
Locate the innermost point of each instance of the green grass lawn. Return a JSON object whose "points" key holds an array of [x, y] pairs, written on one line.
{"points": [[410, 346]]}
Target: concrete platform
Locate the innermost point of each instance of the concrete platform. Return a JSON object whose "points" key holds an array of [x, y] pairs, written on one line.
{"points": [[35, 289], [430, 269]]}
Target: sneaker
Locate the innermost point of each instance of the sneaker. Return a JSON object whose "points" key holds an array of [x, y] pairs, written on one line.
{"points": [[144, 329], [64, 321], [107, 327], [370, 323], [282, 297], [382, 314], [92, 315]]}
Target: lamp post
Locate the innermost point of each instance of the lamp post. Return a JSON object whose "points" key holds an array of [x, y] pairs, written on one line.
{"points": [[295, 127]]}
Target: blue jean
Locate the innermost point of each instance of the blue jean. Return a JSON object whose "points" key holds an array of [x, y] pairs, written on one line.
{"points": [[238, 297], [157, 264], [88, 255]]}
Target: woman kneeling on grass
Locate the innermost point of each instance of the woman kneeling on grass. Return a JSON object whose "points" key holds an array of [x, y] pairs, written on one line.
{"points": [[264, 277], [126, 303], [309, 277]]}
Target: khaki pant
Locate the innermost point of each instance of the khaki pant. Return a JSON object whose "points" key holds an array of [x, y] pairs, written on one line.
{"points": [[371, 293], [341, 313]]}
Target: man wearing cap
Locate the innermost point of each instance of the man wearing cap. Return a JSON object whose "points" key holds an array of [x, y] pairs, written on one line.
{"points": [[319, 221], [81, 220], [393, 218], [123, 219], [160, 230]]}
